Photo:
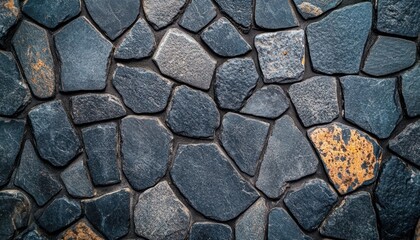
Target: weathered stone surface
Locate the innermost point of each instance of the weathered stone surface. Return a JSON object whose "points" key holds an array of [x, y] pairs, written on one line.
{"points": [[269, 102], [192, 113], [160, 13], [315, 100], [197, 15], [146, 146], [15, 209], [142, 90], [32, 47], [31, 233], [372, 104], [282, 226], [160, 215], [274, 14], [252, 224], [336, 44], [288, 157], [354, 219], [407, 143], [243, 139], [59, 214], [311, 203], [51, 13], [208, 180], [410, 88], [417, 231], [181, 57], [56, 139], [9, 16], [314, 8], [281, 55], [76, 180], [239, 11], [84, 56], [209, 230], [80, 231]]}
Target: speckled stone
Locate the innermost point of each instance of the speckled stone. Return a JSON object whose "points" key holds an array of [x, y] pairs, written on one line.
{"points": [[253, 223], [274, 14], [76, 180], [410, 90], [51, 13], [282, 226], [80, 231], [314, 8], [59, 214], [197, 15], [210, 230], [407, 143], [15, 210], [9, 16], [160, 13], [240, 11]]}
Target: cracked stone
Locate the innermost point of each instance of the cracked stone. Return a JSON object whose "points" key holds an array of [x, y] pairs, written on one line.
{"points": [[210, 230], [51, 13], [274, 14], [282, 226], [410, 88], [80, 231], [197, 15], [59, 214], [314, 8], [407, 143], [9, 16], [76, 180], [239, 11], [161, 13], [15, 210], [252, 224]]}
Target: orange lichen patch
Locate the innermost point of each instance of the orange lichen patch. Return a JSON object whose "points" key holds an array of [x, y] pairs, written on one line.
{"points": [[310, 9], [10, 4], [80, 231], [303, 61], [351, 158], [42, 75]]}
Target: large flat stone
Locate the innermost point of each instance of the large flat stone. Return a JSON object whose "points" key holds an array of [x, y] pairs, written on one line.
{"points": [[197, 15], [59, 214], [240, 11], [282, 226], [161, 13], [253, 223], [51, 13], [410, 88], [9, 16], [210, 230], [15, 210], [76, 180], [314, 8], [274, 14], [407, 143]]}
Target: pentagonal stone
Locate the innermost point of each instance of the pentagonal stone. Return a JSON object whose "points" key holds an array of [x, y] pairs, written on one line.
{"points": [[288, 157], [314, 8], [274, 14], [56, 139], [142, 90], [208, 180], [84, 56], [159, 214], [146, 146], [15, 209], [372, 104], [252, 224], [239, 11], [81, 230], [354, 219], [51, 13], [268, 102], [410, 88], [281, 55], [243, 138], [282, 226], [336, 44], [59, 214], [76, 180], [160, 13], [33, 50], [197, 15], [315, 100], [9, 16], [181, 57], [407, 143], [223, 38], [192, 113], [31, 233], [209, 230]]}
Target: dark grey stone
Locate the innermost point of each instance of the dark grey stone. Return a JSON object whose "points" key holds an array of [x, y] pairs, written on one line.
{"points": [[160, 13], [240, 11], [9, 16], [51, 13], [336, 44], [15, 209], [76, 180], [211, 231], [282, 226], [407, 143], [59, 214], [274, 14], [314, 8], [205, 176], [31, 233], [197, 15], [410, 90], [253, 223]]}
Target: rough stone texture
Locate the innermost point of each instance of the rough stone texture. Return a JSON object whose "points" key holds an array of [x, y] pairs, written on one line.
{"points": [[288, 157], [252, 224], [15, 209], [281, 55], [84, 55], [274, 14], [197, 15], [407, 143], [372, 104], [160, 215], [336, 44], [181, 57], [314, 8], [208, 180], [160, 13], [76, 180], [80, 231], [9, 16], [282, 226], [240, 11], [31, 233], [209, 230], [410, 88], [142, 90], [51, 13], [59, 214]]}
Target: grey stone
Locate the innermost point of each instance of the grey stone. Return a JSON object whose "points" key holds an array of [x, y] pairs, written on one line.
{"points": [[240, 11], [84, 55], [410, 88], [315, 100], [159, 214], [274, 14], [142, 90], [181, 57], [210, 230], [197, 15], [51, 13], [59, 214], [161, 13], [252, 224], [407, 143], [281, 55], [288, 157], [314, 8], [205, 176], [336, 44], [15, 209], [9, 16], [31, 233], [282, 226], [192, 113], [76, 180], [243, 138]]}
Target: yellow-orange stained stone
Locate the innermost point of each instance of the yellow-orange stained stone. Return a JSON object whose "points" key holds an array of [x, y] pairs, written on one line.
{"points": [[80, 231], [351, 157]]}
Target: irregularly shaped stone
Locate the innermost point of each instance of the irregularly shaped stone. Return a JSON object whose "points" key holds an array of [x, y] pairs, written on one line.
{"points": [[274, 14], [410, 88], [88, 108], [31, 233], [209, 230], [282, 226], [59, 214], [146, 146], [160, 13], [56, 139], [192, 113], [76, 180], [15, 209], [197, 15], [269, 102], [223, 38], [311, 203], [354, 219], [315, 100], [372, 104], [181, 57], [51, 13], [32, 47], [160, 215], [288, 157], [9, 16], [243, 138], [314, 8], [208, 180], [407, 143], [80, 231], [84, 56], [101, 149], [142, 90], [336, 44], [239, 11], [281, 55], [252, 224]]}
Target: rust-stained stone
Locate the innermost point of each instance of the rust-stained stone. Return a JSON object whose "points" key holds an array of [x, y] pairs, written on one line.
{"points": [[350, 157], [80, 231]]}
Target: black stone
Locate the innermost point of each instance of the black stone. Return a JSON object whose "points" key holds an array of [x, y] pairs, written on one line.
{"points": [[407, 143], [240, 11], [197, 15], [15, 210], [410, 88], [282, 226], [274, 14], [212, 231], [31, 233], [59, 214], [76, 180], [9, 16]]}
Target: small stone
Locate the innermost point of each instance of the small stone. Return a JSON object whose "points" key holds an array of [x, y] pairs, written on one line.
{"points": [[9, 16], [372, 104], [159, 214], [205, 176], [31, 233], [15, 209], [59, 214], [315, 100], [288, 157], [51, 13], [76, 180], [84, 56], [197, 15], [354, 219], [336, 44], [282, 226], [281, 55], [311, 203], [56, 139], [32, 47], [314, 8], [161, 13], [274, 14], [209, 230], [268, 102], [407, 143], [243, 139], [252, 224], [239, 11], [142, 90], [223, 38], [80, 231], [410, 88], [192, 113]]}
